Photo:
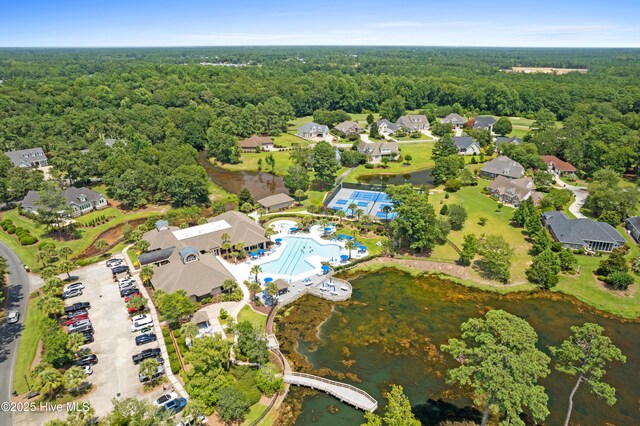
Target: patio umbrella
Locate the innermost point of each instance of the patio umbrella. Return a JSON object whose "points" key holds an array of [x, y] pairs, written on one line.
{"points": [[326, 268], [278, 240], [268, 280], [253, 254], [341, 236], [363, 248], [344, 257], [260, 251], [327, 229], [349, 237], [293, 229]]}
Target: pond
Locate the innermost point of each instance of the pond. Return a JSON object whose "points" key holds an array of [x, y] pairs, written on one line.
{"points": [[417, 178], [259, 184], [390, 333]]}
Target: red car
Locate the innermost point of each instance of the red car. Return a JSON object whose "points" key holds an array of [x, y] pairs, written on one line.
{"points": [[132, 309], [76, 319], [126, 299]]}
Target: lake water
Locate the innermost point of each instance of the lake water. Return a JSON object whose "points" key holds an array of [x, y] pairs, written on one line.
{"points": [[417, 178], [390, 333], [259, 184]]}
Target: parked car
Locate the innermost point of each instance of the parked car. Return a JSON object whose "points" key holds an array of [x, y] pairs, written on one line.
{"points": [[159, 372], [71, 293], [133, 309], [114, 262], [13, 317], [88, 337], [88, 370], [143, 339], [126, 280], [74, 286], [141, 324], [146, 353], [128, 285], [119, 269], [126, 299], [140, 317], [165, 398], [79, 324], [84, 329], [76, 319], [128, 291], [86, 360], [77, 307], [145, 330], [175, 405], [79, 313]]}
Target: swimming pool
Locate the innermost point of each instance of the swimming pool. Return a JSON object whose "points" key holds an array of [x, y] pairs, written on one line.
{"points": [[292, 261]]}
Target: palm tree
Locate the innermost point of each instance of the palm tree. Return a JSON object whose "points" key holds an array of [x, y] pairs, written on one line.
{"points": [[48, 271], [299, 194], [253, 287], [49, 381], [226, 247], [386, 209], [189, 330], [149, 367], [81, 416], [268, 232], [261, 213], [65, 251], [74, 341], [143, 245], [341, 214], [101, 245], [255, 270], [66, 266], [350, 246], [146, 274], [359, 212], [272, 290], [74, 377], [352, 207], [225, 237], [239, 250], [51, 306], [229, 285], [53, 287]]}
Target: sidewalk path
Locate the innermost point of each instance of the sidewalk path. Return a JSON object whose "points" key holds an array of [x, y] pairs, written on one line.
{"points": [[579, 192], [177, 386]]}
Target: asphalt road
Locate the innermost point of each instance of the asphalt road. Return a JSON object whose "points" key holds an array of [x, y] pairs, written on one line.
{"points": [[17, 297]]}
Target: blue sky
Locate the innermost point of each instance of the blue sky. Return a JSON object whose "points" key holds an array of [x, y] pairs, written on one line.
{"points": [[87, 23]]}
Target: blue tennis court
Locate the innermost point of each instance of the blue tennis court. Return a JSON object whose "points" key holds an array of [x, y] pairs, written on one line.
{"points": [[371, 202], [362, 204], [341, 202]]}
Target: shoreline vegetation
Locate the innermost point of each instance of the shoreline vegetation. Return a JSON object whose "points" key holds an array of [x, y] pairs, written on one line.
{"points": [[626, 309]]}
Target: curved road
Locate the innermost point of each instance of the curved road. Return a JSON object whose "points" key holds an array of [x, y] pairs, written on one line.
{"points": [[17, 297]]}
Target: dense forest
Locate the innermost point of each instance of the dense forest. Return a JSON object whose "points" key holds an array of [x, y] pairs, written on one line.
{"points": [[161, 100]]}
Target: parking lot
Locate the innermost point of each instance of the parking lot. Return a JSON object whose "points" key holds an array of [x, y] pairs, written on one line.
{"points": [[115, 375]]}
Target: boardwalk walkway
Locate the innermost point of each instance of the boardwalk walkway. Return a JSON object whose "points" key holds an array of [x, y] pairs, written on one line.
{"points": [[344, 392]]}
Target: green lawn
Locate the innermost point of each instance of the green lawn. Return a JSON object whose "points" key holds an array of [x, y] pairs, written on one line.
{"points": [[421, 153], [290, 139], [252, 415], [31, 335], [373, 249], [249, 162], [479, 205], [256, 319], [28, 254]]}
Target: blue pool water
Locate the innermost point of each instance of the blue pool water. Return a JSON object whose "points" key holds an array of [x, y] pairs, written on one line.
{"points": [[292, 260]]}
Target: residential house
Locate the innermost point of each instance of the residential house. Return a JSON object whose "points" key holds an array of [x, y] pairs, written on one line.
{"points": [[512, 191], [456, 120], [349, 127], [584, 234], [79, 200], [500, 140], [413, 122], [375, 151], [385, 127], [32, 157], [186, 259], [633, 225], [484, 122], [109, 142], [557, 166], [466, 145], [313, 130], [251, 144], [502, 166], [276, 202]]}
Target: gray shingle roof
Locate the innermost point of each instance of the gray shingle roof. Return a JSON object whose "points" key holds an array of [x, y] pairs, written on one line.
{"points": [[454, 118], [483, 122], [463, 142], [155, 256], [504, 166], [311, 127], [504, 139], [25, 157], [72, 194], [578, 231], [391, 126], [634, 221], [413, 122], [274, 200], [348, 126], [109, 142]]}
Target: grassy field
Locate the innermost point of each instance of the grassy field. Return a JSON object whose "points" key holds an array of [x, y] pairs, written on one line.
{"points": [[249, 162], [421, 153], [256, 319], [31, 335], [290, 139], [252, 415], [28, 254], [498, 222]]}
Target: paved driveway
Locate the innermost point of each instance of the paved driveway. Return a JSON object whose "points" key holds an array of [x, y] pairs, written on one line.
{"points": [[115, 375], [17, 296], [579, 192]]}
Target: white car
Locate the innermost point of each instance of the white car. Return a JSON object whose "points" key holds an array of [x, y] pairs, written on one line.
{"points": [[71, 287], [13, 317], [141, 317], [165, 398], [114, 262], [88, 370]]}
